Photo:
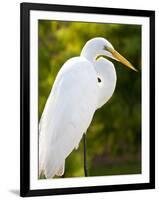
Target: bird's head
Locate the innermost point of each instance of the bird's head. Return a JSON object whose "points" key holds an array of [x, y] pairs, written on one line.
{"points": [[97, 47]]}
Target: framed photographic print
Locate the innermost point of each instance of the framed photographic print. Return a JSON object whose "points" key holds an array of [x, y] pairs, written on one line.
{"points": [[87, 99]]}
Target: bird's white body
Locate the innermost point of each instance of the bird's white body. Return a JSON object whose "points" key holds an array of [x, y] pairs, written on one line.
{"points": [[73, 100]]}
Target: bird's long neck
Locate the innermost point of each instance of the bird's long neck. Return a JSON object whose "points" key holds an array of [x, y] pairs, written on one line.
{"points": [[106, 75], [105, 72]]}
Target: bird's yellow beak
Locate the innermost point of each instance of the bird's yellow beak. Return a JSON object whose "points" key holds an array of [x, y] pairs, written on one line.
{"points": [[121, 59]]}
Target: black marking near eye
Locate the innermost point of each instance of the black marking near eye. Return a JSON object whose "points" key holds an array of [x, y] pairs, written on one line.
{"points": [[99, 80]]}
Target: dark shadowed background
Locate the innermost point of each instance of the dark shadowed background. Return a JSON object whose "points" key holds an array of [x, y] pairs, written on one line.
{"points": [[114, 137]]}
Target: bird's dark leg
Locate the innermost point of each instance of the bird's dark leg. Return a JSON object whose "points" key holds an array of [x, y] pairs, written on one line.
{"points": [[63, 176], [85, 156]]}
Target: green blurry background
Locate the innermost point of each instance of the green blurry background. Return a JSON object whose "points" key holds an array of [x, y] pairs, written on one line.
{"points": [[114, 137]]}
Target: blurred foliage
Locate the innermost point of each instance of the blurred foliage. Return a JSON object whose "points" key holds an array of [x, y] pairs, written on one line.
{"points": [[114, 137]]}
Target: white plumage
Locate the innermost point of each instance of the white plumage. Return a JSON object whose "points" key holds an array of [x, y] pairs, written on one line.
{"points": [[73, 100]]}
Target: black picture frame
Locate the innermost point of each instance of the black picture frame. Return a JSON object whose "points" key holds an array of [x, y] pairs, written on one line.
{"points": [[25, 9]]}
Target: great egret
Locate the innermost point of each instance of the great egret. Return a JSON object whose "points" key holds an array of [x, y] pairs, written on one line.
{"points": [[83, 85]]}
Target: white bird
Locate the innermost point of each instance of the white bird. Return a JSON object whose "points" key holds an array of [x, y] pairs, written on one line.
{"points": [[75, 96]]}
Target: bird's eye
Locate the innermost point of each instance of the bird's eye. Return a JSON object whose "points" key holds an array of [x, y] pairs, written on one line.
{"points": [[99, 80]]}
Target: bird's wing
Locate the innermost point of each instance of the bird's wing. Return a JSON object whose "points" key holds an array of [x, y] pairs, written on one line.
{"points": [[67, 114]]}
